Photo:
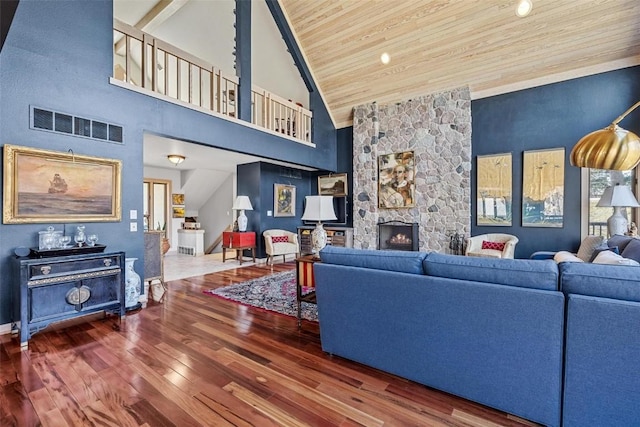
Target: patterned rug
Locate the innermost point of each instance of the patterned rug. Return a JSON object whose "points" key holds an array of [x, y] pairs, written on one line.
{"points": [[276, 292]]}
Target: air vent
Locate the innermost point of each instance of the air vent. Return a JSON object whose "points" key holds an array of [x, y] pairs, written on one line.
{"points": [[59, 122], [290, 173]]}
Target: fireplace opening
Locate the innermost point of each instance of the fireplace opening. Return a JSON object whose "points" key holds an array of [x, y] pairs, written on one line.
{"points": [[398, 235]]}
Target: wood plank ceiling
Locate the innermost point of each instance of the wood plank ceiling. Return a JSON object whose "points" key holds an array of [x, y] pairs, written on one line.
{"points": [[442, 44]]}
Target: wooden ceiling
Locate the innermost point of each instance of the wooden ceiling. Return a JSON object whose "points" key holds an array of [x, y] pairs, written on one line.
{"points": [[442, 44]]}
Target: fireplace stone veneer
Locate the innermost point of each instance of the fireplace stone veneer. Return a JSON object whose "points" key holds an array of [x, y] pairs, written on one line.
{"points": [[398, 235]]}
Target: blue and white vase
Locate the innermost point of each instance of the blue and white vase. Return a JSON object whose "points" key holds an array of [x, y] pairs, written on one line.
{"points": [[131, 284]]}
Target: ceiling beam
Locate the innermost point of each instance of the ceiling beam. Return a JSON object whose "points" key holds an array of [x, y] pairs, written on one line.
{"points": [[158, 14]]}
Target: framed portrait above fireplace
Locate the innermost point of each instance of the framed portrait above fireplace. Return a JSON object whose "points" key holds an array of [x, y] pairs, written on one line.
{"points": [[396, 174]]}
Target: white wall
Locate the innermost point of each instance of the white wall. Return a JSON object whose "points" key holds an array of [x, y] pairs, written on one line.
{"points": [[216, 213]]}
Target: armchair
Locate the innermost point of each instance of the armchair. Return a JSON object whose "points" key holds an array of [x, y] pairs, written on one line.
{"points": [[494, 245], [280, 242]]}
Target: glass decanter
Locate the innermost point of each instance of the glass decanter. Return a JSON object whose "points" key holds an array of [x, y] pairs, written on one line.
{"points": [[80, 237]]}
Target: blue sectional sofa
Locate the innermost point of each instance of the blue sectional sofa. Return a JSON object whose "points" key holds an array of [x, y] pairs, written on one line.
{"points": [[602, 351], [489, 330]]}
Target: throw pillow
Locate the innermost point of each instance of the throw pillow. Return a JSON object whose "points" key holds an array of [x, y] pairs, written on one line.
{"points": [[632, 250], [492, 245], [279, 239], [601, 248], [608, 257], [620, 241], [588, 245], [564, 256]]}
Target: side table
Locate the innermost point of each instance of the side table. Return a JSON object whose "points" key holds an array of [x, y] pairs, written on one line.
{"points": [[239, 241], [305, 278]]}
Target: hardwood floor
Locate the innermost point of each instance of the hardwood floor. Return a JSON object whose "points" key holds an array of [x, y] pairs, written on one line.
{"points": [[196, 360]]}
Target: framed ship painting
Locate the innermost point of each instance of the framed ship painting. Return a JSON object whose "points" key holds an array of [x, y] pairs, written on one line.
{"points": [[42, 186], [543, 188], [494, 199]]}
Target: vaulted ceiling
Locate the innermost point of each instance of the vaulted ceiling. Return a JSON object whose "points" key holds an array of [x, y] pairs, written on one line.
{"points": [[442, 44]]}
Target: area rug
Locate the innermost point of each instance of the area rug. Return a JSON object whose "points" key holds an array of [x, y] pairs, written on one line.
{"points": [[276, 292]]}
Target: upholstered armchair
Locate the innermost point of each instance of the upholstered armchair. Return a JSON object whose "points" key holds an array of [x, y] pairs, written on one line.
{"points": [[493, 245], [280, 242]]}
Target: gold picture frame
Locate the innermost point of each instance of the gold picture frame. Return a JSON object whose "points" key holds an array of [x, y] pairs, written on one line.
{"points": [[43, 186], [495, 190], [284, 200], [333, 185], [396, 175], [177, 198], [543, 188], [178, 211]]}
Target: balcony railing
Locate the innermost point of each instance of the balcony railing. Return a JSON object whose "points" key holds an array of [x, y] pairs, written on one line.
{"points": [[145, 61]]}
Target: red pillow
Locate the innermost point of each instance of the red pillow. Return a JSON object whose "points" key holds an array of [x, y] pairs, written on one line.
{"points": [[492, 245], [279, 239]]}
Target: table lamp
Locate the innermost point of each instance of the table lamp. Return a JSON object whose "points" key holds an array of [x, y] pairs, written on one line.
{"points": [[242, 204], [617, 196], [318, 208]]}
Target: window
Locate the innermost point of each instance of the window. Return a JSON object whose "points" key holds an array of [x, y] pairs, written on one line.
{"points": [[600, 179]]}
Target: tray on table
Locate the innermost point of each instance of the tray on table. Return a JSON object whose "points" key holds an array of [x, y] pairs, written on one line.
{"points": [[71, 250]]}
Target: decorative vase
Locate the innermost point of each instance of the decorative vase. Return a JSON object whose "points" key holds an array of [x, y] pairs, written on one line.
{"points": [[165, 245], [131, 285]]}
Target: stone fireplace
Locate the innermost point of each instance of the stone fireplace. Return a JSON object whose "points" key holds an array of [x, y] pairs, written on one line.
{"points": [[398, 235], [437, 128]]}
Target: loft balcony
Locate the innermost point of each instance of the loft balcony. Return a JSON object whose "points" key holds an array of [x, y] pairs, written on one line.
{"points": [[146, 62]]}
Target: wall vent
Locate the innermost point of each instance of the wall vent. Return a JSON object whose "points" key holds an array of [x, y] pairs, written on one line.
{"points": [[290, 173], [55, 121]]}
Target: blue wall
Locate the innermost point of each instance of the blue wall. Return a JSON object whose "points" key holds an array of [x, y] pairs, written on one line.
{"points": [[256, 180], [551, 116], [69, 71]]}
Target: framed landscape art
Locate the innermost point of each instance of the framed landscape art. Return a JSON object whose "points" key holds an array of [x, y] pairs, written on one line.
{"points": [[543, 188], [494, 199], [332, 185], [42, 186]]}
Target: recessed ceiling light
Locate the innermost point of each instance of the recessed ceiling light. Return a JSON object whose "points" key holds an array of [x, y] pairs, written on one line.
{"points": [[385, 58], [524, 8]]}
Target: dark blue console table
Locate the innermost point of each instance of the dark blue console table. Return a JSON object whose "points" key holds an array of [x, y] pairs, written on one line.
{"points": [[59, 288]]}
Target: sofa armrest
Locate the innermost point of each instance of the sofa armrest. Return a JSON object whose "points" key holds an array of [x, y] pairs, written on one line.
{"points": [[542, 255]]}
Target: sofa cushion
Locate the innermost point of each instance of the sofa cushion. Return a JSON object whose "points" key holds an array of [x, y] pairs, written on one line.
{"points": [[588, 245], [608, 257], [620, 241], [536, 274], [600, 280], [498, 246], [632, 250], [402, 261]]}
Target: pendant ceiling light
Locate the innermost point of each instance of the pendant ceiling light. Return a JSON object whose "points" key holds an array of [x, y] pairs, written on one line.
{"points": [[612, 148]]}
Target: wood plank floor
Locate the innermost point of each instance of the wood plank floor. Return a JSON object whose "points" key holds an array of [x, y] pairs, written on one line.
{"points": [[196, 360]]}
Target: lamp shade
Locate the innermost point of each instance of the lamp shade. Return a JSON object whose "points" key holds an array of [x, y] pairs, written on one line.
{"points": [[618, 196], [242, 203], [612, 148], [319, 208]]}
